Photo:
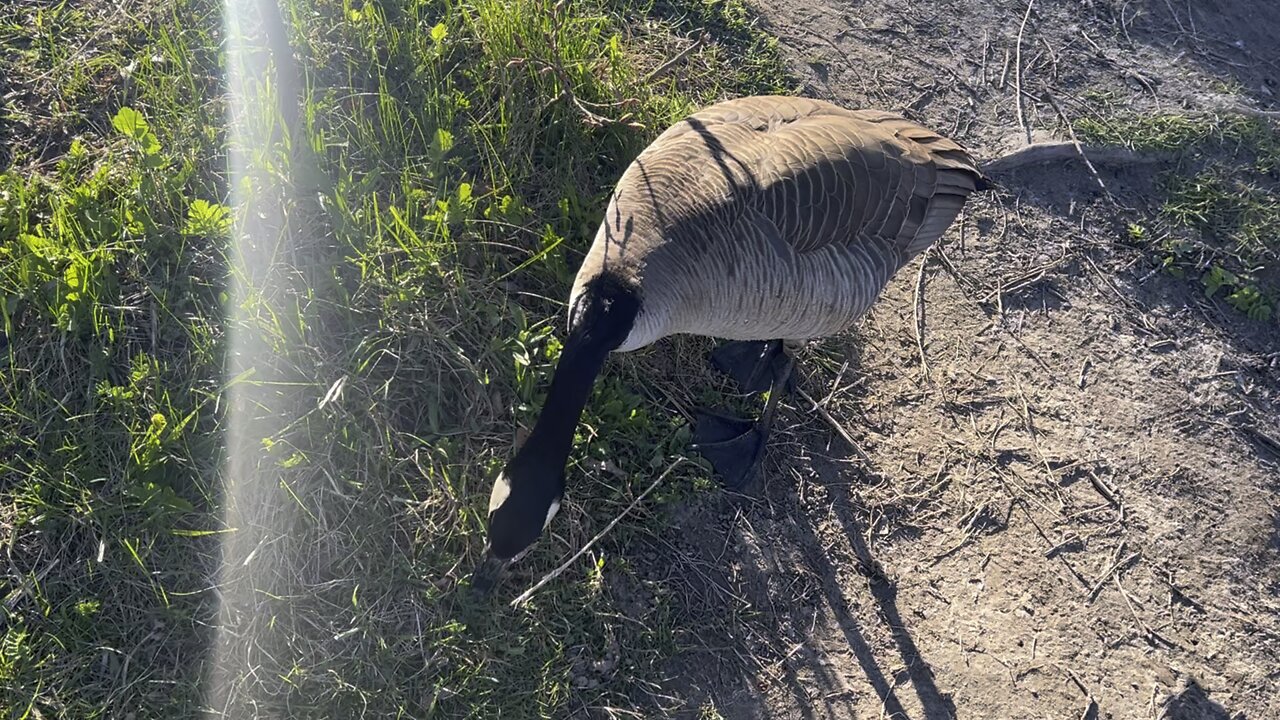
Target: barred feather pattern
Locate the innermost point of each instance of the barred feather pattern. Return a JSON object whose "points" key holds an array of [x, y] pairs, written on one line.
{"points": [[775, 218]]}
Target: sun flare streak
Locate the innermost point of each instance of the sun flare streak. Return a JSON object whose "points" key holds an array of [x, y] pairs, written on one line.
{"points": [[259, 70]]}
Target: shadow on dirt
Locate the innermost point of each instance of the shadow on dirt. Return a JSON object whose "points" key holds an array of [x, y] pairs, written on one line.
{"points": [[1230, 39], [936, 705], [1193, 703]]}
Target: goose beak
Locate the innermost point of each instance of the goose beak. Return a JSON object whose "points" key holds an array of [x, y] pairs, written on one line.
{"points": [[487, 574]]}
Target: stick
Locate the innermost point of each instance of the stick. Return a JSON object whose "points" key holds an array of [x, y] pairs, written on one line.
{"points": [[1045, 537], [1145, 628], [1017, 72], [1079, 148], [524, 596], [1084, 370], [11, 601], [1097, 588], [664, 67], [1075, 679], [1107, 493], [835, 425], [1174, 13], [924, 361], [1252, 112], [1091, 709]]}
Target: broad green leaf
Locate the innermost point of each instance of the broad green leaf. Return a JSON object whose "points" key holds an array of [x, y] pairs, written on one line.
{"points": [[130, 122], [149, 144], [206, 218], [444, 140]]}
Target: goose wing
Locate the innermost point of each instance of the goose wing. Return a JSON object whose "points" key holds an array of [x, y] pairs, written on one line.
{"points": [[822, 175]]}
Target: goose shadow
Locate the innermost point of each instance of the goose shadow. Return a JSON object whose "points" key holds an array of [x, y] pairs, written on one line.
{"points": [[745, 651], [774, 626], [753, 583], [839, 481], [935, 705]]}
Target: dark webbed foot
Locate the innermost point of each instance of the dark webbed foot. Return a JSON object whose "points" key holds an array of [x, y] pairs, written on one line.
{"points": [[752, 365], [735, 446]]}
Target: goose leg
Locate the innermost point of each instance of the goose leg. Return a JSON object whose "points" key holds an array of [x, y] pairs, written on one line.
{"points": [[735, 446], [749, 363]]}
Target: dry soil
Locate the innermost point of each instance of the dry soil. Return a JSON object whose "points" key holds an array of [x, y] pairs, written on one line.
{"points": [[1074, 512]]}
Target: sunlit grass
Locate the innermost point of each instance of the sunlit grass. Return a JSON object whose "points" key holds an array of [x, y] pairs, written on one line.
{"points": [[419, 233], [1220, 206]]}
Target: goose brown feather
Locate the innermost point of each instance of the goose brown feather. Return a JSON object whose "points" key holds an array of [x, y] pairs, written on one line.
{"points": [[774, 218]]}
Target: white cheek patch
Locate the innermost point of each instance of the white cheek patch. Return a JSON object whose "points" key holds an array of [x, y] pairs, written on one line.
{"points": [[501, 490], [551, 512]]}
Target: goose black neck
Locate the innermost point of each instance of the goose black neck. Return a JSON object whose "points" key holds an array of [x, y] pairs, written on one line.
{"points": [[599, 323]]}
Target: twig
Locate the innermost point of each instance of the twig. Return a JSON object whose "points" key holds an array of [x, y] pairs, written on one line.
{"points": [[1213, 104], [1091, 708], [1253, 112], [1080, 149], [1174, 13], [524, 596], [1145, 628], [1097, 587], [11, 600], [1076, 679], [1035, 436], [924, 360], [664, 67], [1032, 276], [1039, 530], [593, 119], [1106, 492], [1017, 72], [1073, 540], [835, 425]]}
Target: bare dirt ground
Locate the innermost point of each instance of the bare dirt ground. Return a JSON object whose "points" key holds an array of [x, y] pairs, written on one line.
{"points": [[1075, 513]]}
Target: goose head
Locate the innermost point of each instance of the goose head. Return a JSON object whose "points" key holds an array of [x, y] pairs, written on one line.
{"points": [[526, 496]]}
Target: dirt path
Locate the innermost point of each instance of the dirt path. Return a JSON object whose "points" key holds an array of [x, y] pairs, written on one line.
{"points": [[1075, 514]]}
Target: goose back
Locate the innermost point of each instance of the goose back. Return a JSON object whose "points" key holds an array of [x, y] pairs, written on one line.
{"points": [[774, 218]]}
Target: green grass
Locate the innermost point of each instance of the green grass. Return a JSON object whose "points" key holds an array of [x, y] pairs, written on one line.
{"points": [[1221, 207], [430, 214]]}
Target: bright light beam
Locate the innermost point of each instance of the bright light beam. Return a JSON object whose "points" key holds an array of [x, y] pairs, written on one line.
{"points": [[262, 112]]}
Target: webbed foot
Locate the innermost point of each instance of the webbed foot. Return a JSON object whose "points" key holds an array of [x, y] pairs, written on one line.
{"points": [[734, 446]]}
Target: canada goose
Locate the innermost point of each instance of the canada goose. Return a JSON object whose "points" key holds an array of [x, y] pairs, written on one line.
{"points": [[757, 220]]}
